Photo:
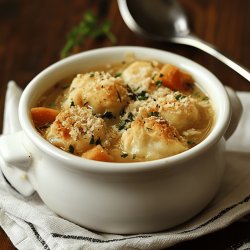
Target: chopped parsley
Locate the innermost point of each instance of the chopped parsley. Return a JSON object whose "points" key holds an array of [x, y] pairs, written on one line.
{"points": [[52, 105], [158, 83], [109, 115], [121, 125], [92, 140], [179, 96], [118, 74], [72, 104], [205, 98], [92, 74], [191, 143], [98, 141], [122, 113], [153, 113], [71, 149], [124, 155], [131, 94], [130, 117], [142, 96], [65, 86]]}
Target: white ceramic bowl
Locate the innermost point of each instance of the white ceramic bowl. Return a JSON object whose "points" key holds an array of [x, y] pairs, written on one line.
{"points": [[119, 198]]}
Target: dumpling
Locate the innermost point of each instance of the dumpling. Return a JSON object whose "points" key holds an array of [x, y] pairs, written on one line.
{"points": [[180, 111], [76, 130], [152, 138], [98, 90], [138, 75]]}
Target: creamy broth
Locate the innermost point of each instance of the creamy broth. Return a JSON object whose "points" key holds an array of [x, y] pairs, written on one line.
{"points": [[127, 112]]}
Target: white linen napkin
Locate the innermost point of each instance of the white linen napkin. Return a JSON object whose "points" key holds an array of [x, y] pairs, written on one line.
{"points": [[31, 225]]}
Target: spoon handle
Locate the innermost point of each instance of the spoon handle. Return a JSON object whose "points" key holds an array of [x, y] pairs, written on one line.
{"points": [[194, 41]]}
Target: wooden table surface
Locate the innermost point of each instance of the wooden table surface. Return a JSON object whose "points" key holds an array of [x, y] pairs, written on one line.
{"points": [[32, 34]]}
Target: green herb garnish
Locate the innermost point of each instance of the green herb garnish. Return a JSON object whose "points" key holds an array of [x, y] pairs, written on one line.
{"points": [[92, 140], [131, 94], [142, 96], [153, 113], [179, 96], [72, 104], [124, 155], [65, 86], [98, 141], [158, 83], [71, 149], [205, 98], [89, 27], [130, 117], [118, 74], [108, 115], [191, 143], [52, 105], [121, 125]]}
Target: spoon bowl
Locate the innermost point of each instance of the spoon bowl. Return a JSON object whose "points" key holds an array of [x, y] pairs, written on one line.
{"points": [[165, 20]]}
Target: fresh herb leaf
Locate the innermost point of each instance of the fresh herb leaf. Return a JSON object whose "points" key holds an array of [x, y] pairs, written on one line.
{"points": [[98, 141], [89, 27], [191, 143], [92, 140], [124, 155], [108, 115], [122, 113], [179, 96], [65, 86], [153, 113], [142, 96], [118, 74], [52, 105], [71, 149], [121, 125], [130, 117], [158, 83], [131, 94], [72, 104]]}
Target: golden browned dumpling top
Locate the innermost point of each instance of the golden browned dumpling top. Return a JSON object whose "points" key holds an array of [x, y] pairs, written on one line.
{"points": [[98, 90]]}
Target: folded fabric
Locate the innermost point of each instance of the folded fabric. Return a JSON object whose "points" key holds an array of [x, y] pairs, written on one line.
{"points": [[31, 225]]}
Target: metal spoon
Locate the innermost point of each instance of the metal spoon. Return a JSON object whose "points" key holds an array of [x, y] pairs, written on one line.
{"points": [[165, 20]]}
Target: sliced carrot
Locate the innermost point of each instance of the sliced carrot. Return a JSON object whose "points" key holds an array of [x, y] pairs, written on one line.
{"points": [[41, 116], [175, 79], [97, 153]]}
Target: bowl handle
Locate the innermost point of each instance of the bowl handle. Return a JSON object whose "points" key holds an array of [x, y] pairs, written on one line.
{"points": [[236, 110], [15, 161]]}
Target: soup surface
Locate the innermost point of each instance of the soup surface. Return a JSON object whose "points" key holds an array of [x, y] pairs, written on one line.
{"points": [[127, 112]]}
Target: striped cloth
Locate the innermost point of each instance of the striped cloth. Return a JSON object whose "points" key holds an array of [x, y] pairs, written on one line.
{"points": [[31, 225]]}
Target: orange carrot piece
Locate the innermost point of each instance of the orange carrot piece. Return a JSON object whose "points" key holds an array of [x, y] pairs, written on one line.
{"points": [[42, 116], [97, 153], [174, 78]]}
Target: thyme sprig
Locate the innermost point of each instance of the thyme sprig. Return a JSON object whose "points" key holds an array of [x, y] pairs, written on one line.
{"points": [[89, 27]]}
